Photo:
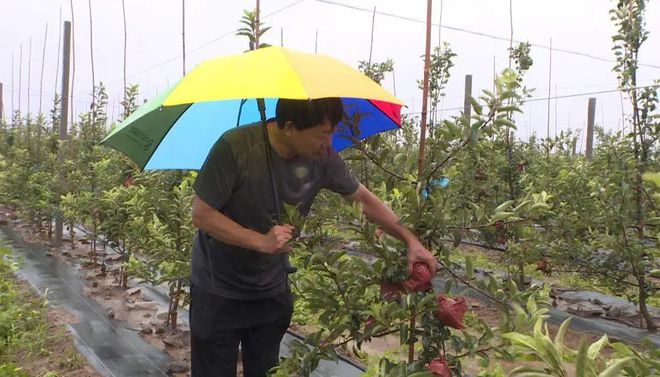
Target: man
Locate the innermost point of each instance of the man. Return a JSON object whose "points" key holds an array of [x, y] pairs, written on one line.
{"points": [[239, 290]]}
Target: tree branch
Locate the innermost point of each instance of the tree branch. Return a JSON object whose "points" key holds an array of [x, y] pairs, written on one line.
{"points": [[465, 142], [364, 151]]}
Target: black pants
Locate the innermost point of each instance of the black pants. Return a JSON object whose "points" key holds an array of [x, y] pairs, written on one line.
{"points": [[218, 325]]}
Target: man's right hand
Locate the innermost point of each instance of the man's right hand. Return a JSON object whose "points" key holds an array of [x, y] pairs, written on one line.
{"points": [[274, 242]]}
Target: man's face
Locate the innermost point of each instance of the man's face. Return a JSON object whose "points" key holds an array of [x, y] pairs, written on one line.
{"points": [[313, 143]]}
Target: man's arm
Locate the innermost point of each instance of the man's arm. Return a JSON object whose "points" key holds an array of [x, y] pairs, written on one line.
{"points": [[379, 213], [224, 229]]}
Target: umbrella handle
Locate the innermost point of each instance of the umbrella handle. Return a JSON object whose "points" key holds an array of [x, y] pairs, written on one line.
{"points": [[288, 268], [269, 158]]}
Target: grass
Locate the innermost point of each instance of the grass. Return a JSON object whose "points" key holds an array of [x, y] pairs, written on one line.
{"points": [[29, 344]]}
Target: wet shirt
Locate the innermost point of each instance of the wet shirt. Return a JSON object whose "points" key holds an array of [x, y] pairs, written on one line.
{"points": [[235, 180]]}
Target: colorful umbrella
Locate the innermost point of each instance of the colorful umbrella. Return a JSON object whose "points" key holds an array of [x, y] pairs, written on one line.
{"points": [[177, 128]]}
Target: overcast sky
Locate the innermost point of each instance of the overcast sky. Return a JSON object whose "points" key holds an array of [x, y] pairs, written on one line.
{"points": [[477, 30]]}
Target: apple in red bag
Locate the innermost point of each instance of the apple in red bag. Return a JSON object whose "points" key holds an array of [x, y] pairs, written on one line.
{"points": [[420, 278], [369, 324], [439, 367], [451, 311], [390, 291], [129, 182]]}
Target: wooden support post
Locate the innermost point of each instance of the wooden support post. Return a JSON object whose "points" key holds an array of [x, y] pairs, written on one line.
{"points": [[29, 77], [57, 63], [72, 78], [43, 64], [547, 133], [591, 112], [467, 104], [371, 42], [183, 33], [91, 59], [2, 109], [425, 94], [64, 120], [20, 80], [125, 102], [256, 25], [13, 108]]}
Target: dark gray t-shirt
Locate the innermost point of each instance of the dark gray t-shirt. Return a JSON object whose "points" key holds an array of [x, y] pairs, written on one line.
{"points": [[235, 181]]}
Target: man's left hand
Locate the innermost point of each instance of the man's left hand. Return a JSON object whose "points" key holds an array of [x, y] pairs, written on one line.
{"points": [[418, 253]]}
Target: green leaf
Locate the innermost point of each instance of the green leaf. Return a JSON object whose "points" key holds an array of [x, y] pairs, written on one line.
{"points": [[458, 238], [538, 207], [527, 371], [621, 349], [523, 340], [383, 367], [505, 122], [404, 334], [581, 361], [510, 109], [597, 346], [653, 221], [521, 205], [652, 177], [488, 93], [504, 206], [561, 333], [475, 105], [530, 374], [501, 216], [531, 306], [448, 286], [613, 370], [469, 267]]}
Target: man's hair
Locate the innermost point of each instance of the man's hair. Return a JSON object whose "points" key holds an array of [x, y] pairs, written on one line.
{"points": [[309, 113]]}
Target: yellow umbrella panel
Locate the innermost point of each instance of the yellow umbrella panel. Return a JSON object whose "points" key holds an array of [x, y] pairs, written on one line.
{"points": [[176, 129]]}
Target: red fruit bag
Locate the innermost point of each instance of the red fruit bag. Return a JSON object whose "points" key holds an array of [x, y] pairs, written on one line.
{"points": [[369, 324], [420, 279], [439, 367], [390, 291], [451, 311], [129, 182]]}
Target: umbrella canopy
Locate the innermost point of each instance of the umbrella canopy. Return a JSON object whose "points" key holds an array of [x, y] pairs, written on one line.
{"points": [[177, 128]]}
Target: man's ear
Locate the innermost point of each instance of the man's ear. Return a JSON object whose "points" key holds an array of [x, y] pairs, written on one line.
{"points": [[289, 127]]}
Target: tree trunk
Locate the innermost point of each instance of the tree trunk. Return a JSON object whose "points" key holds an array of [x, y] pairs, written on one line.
{"points": [[521, 275], [411, 347], [121, 273], [124, 262], [103, 266], [174, 310], [124, 278], [641, 279], [72, 233], [92, 242], [170, 307]]}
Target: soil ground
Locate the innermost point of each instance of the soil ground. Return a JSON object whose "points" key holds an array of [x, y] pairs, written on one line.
{"points": [[148, 318], [59, 354]]}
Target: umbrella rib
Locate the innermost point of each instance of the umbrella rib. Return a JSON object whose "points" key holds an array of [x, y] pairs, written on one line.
{"points": [[298, 77], [164, 136], [384, 113], [120, 151]]}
